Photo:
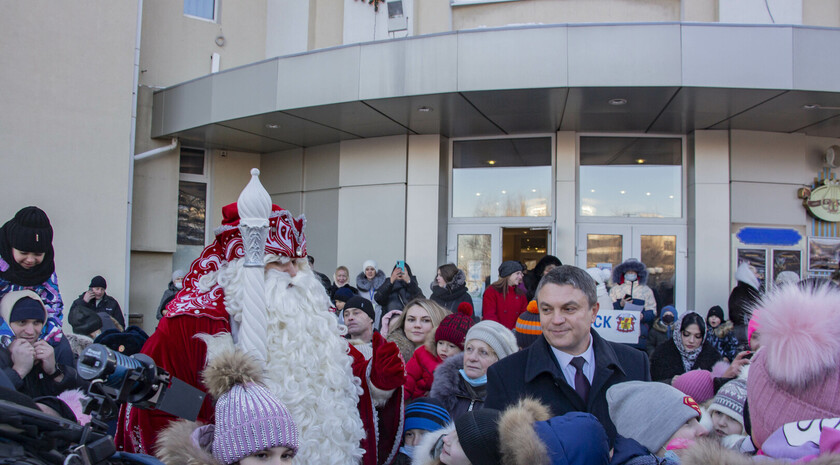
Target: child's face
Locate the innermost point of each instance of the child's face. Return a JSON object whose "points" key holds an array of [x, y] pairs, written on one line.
{"points": [[714, 321], [755, 341], [453, 453], [725, 425], [413, 436], [274, 456], [446, 349]]}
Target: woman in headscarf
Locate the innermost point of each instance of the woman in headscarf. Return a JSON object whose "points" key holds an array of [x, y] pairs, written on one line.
{"points": [[687, 350]]}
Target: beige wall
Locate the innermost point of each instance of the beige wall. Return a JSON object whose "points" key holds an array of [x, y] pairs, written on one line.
{"points": [[229, 173], [176, 48], [570, 11], [821, 13], [65, 129], [326, 23]]}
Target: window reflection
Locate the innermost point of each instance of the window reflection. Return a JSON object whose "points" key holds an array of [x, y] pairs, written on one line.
{"points": [[631, 177], [474, 259], [603, 248], [659, 254], [501, 177]]}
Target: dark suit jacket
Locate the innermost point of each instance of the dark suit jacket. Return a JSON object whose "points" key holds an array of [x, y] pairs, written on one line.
{"points": [[535, 372]]}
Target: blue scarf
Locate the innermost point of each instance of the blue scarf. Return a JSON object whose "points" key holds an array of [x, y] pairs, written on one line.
{"points": [[473, 382]]}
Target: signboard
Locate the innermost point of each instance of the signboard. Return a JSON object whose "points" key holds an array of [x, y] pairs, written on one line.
{"points": [[824, 201], [618, 325]]}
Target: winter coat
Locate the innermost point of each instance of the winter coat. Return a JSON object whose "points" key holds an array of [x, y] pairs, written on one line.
{"points": [[503, 309], [658, 335], [666, 361], [629, 452], [394, 296], [420, 373], [367, 289], [50, 296], [167, 296], [456, 395], [406, 347], [107, 305], [37, 383], [534, 372], [708, 452], [724, 340], [450, 296]]}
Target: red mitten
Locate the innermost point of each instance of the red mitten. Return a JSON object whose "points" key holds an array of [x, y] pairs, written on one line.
{"points": [[387, 368]]}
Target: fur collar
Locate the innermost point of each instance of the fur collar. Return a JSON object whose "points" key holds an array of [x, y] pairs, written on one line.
{"points": [[708, 452], [423, 451], [519, 443], [723, 329], [406, 347], [365, 285], [447, 384], [175, 446]]}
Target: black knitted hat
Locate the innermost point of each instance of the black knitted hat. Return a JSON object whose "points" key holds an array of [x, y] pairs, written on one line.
{"points": [[478, 433], [30, 231]]}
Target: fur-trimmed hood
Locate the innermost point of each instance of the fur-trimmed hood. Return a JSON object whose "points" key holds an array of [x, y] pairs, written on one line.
{"points": [[365, 285], [177, 445], [458, 281], [631, 264], [529, 436], [709, 452]]}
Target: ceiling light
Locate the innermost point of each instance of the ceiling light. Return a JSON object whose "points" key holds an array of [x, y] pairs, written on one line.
{"points": [[617, 101], [491, 162], [623, 192], [478, 194], [504, 192], [272, 126], [424, 109], [647, 193], [533, 190], [591, 190], [640, 161], [810, 106], [670, 196]]}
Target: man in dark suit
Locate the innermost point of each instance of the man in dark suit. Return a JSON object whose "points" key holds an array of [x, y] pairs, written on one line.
{"points": [[570, 367]]}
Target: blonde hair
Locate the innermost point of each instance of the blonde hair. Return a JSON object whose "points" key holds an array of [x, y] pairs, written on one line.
{"points": [[435, 311]]}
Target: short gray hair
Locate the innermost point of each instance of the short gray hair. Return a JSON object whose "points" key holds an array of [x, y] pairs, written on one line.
{"points": [[570, 276]]}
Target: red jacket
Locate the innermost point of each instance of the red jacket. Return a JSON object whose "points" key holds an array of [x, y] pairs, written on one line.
{"points": [[503, 309], [419, 373]]}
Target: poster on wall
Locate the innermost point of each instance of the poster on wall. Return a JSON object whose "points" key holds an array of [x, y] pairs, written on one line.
{"points": [[758, 259], [787, 260], [823, 253]]}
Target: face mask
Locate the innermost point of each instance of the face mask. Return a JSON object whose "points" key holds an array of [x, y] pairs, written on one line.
{"points": [[179, 285], [408, 450], [630, 277], [473, 382], [668, 318]]}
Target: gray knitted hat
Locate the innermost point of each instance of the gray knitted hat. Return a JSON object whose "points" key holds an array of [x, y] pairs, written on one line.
{"points": [[649, 412], [508, 268], [495, 335], [730, 400]]}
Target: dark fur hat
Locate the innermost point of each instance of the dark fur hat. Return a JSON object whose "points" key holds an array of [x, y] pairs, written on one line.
{"points": [[631, 264]]}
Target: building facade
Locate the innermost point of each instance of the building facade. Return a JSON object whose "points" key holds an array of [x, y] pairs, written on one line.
{"points": [[465, 131]]}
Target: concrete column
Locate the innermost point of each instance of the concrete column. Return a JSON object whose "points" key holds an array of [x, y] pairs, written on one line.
{"points": [[423, 223], [708, 214], [565, 198]]}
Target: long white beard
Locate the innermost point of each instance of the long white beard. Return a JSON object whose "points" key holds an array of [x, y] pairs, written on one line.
{"points": [[309, 368]]}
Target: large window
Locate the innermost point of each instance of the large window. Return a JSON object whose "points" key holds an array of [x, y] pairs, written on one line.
{"points": [[192, 208], [205, 9], [501, 178], [630, 177]]}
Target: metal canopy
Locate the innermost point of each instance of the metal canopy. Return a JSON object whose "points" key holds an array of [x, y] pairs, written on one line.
{"points": [[475, 83]]}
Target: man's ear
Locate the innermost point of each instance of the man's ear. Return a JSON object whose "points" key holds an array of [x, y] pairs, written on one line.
{"points": [[595, 309]]}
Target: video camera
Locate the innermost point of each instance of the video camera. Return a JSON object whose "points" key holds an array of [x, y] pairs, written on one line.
{"points": [[114, 379]]}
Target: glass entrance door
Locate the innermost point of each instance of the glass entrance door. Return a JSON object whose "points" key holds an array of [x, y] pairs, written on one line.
{"points": [[478, 250], [661, 248]]}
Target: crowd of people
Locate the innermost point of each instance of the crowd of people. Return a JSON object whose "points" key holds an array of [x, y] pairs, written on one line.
{"points": [[376, 371]]}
